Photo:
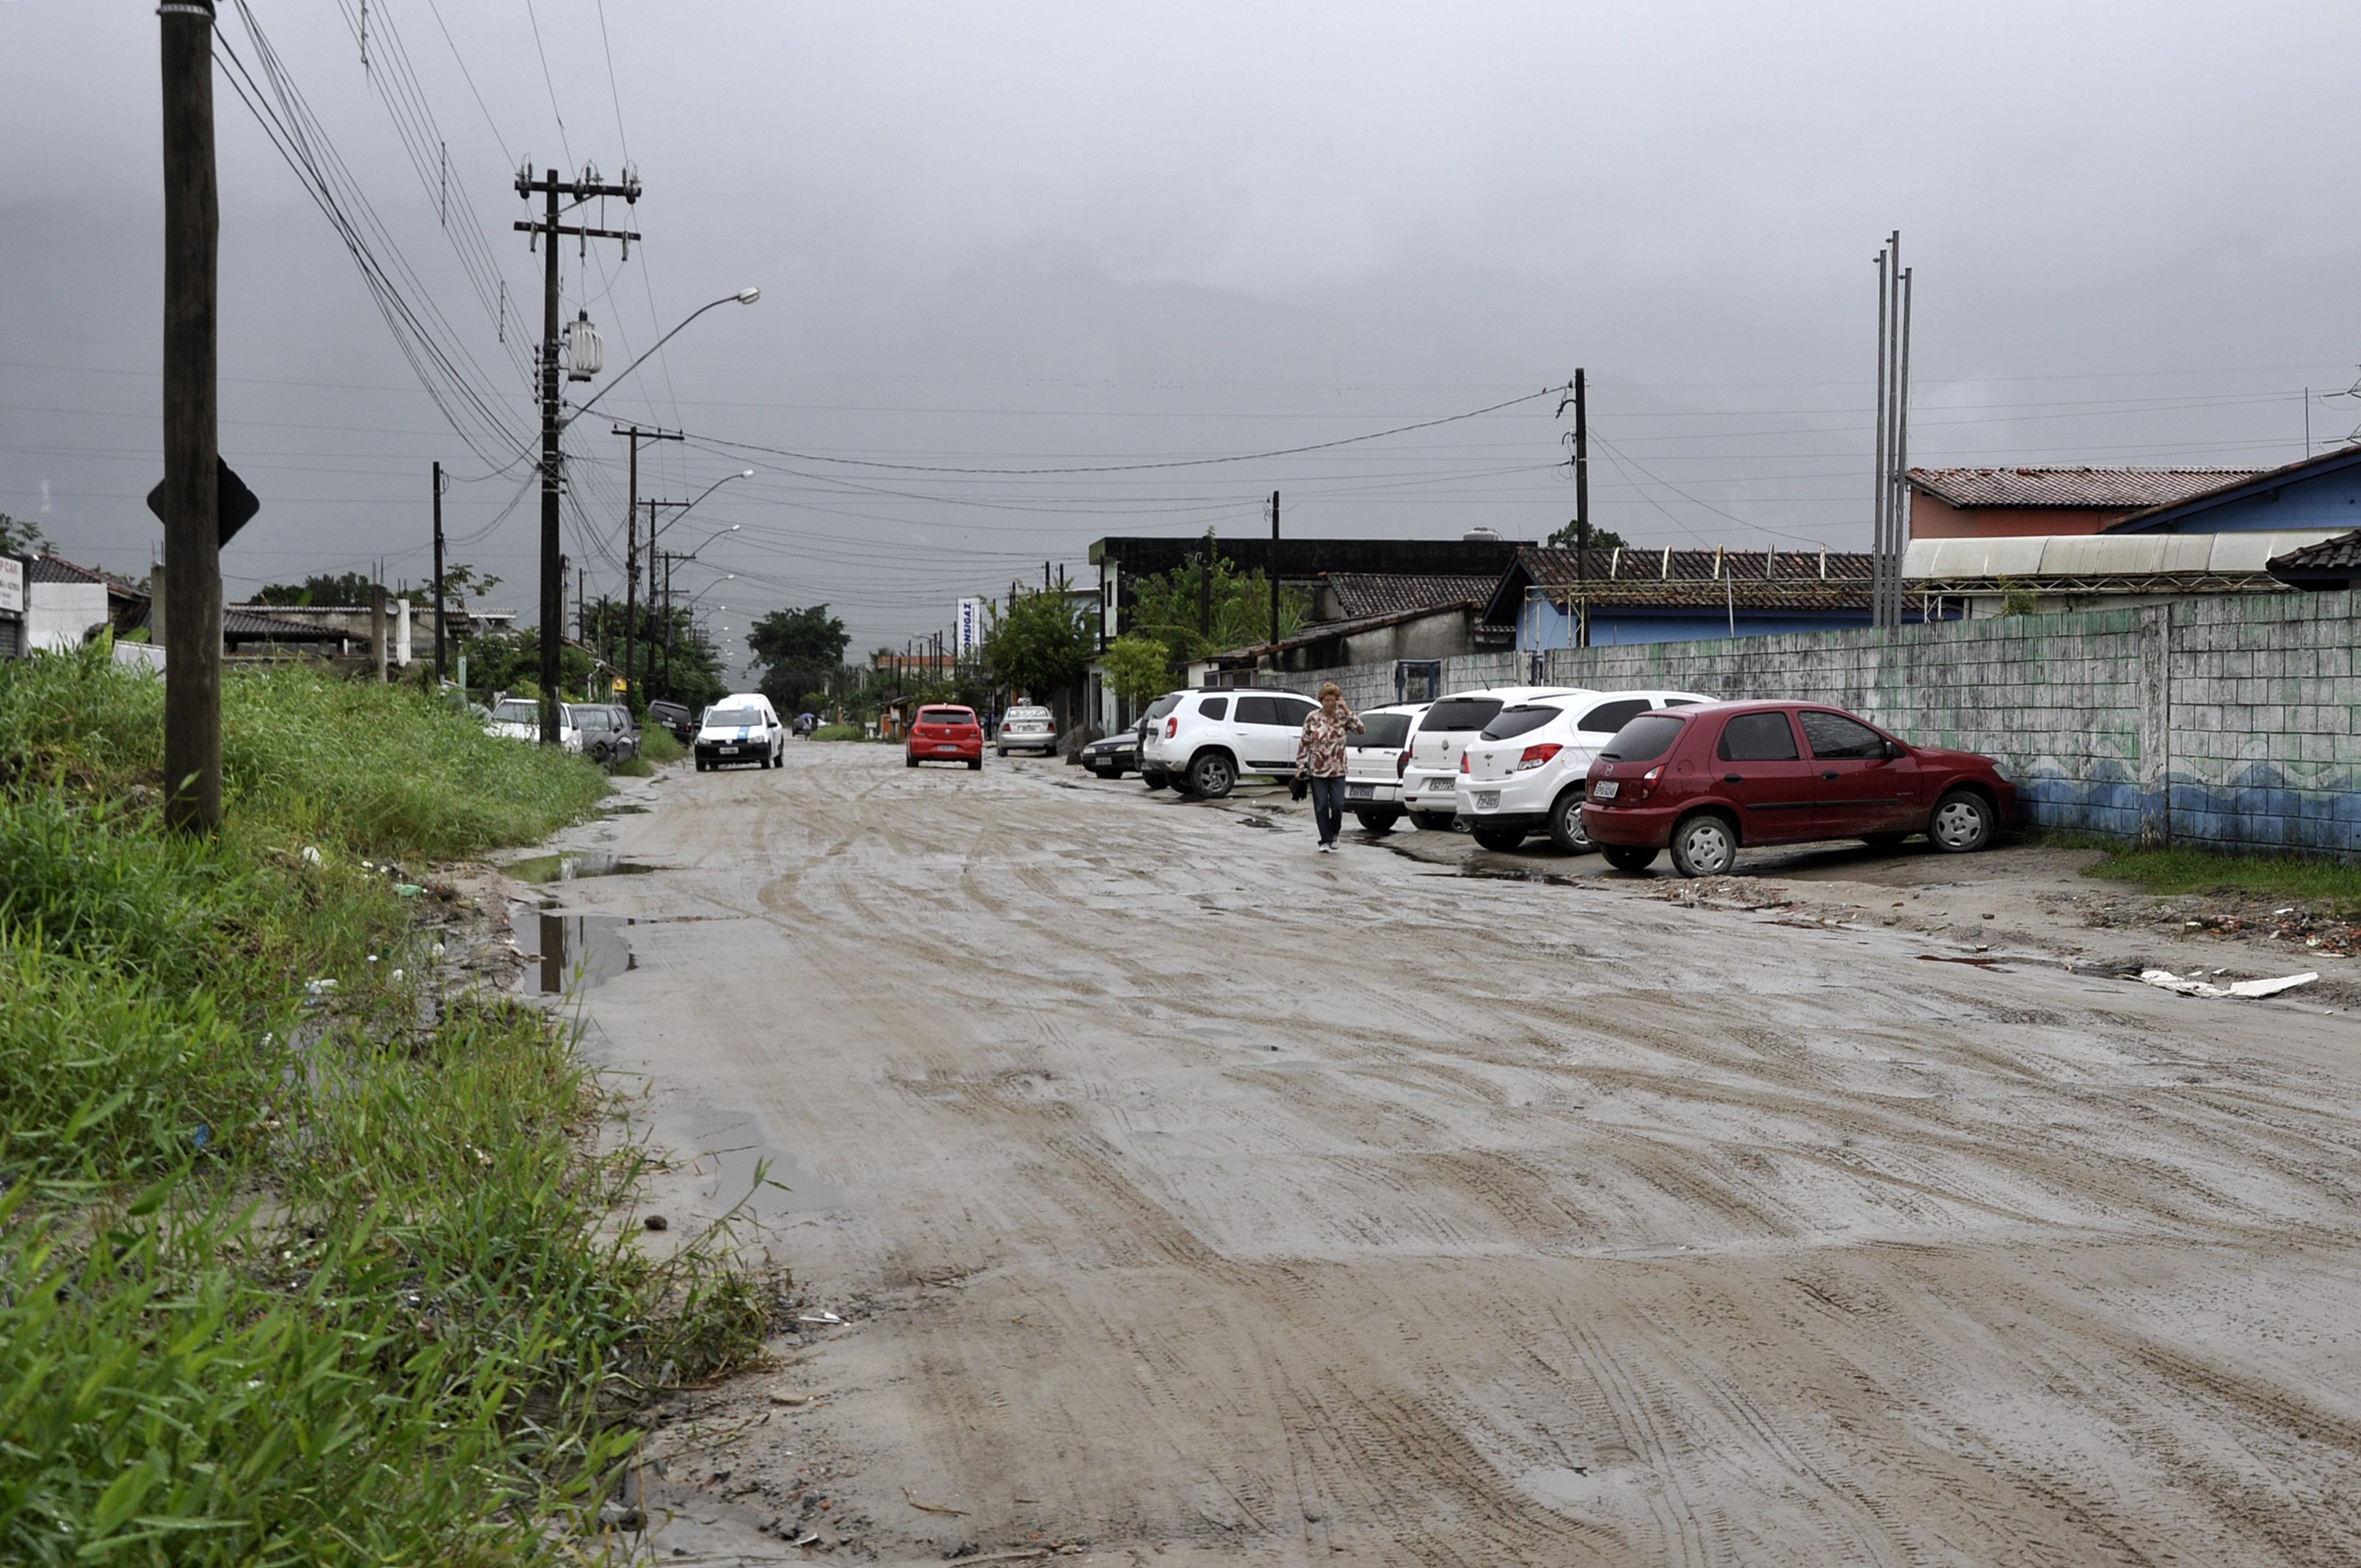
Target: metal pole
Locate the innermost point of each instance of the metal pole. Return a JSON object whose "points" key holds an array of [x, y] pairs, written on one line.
{"points": [[632, 572], [553, 568], [192, 593], [438, 574], [1902, 448], [1273, 572], [1877, 488], [1582, 507]]}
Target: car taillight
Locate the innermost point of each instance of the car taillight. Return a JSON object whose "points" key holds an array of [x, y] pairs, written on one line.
{"points": [[1648, 780], [1536, 755], [1402, 764], [1463, 761], [1171, 728]]}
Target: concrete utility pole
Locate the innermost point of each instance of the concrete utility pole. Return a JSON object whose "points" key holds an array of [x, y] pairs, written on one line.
{"points": [[1891, 524], [1581, 508], [631, 548], [438, 575], [1274, 570], [190, 495], [546, 229]]}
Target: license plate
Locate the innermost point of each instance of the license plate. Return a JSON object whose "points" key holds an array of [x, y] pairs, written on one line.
{"points": [[728, 751], [947, 748], [1443, 783], [1360, 792], [1487, 800], [1606, 789]]}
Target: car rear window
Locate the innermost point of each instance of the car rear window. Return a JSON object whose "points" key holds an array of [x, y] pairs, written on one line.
{"points": [[1028, 713], [518, 713], [1758, 738], [1514, 721], [946, 716], [1610, 717], [1384, 731], [1461, 713], [593, 718], [1644, 739], [1163, 705]]}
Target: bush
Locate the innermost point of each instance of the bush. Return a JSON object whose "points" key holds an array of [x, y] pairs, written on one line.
{"points": [[838, 732]]}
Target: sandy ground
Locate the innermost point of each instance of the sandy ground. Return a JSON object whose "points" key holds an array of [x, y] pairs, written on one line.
{"points": [[1190, 1197]]}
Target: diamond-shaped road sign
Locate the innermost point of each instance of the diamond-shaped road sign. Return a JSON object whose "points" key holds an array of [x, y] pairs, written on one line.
{"points": [[236, 502]]}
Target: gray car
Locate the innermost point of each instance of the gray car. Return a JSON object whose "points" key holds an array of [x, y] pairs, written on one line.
{"points": [[1026, 730]]}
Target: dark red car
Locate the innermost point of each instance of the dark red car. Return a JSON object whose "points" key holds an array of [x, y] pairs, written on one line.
{"points": [[945, 735], [1702, 781]]}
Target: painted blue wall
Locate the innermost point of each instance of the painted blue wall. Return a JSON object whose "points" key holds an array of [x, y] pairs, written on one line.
{"points": [[1543, 624], [2322, 500]]}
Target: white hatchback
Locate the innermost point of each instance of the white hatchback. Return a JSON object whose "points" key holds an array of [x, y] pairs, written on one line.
{"points": [[1430, 779], [1524, 772], [1374, 760]]}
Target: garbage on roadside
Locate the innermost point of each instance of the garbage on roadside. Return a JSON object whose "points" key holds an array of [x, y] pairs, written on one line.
{"points": [[2249, 990]]}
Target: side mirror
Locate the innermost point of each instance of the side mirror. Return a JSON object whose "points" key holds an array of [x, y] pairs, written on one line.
{"points": [[1894, 749]]}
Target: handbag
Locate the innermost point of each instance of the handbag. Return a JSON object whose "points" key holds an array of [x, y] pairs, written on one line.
{"points": [[1298, 787]]}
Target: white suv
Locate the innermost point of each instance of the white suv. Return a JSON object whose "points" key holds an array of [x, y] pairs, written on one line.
{"points": [[1524, 772], [1213, 737], [1373, 763], [1429, 779]]}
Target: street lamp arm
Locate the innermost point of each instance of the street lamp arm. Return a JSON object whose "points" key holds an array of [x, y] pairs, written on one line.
{"points": [[742, 297]]}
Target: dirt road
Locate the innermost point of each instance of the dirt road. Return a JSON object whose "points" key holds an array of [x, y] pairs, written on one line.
{"points": [[1200, 1197]]}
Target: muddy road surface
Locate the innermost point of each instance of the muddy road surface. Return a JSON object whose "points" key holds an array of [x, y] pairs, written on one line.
{"points": [[1187, 1196]]}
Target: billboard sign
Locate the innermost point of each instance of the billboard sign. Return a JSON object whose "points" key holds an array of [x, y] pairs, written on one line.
{"points": [[971, 628], [12, 585]]}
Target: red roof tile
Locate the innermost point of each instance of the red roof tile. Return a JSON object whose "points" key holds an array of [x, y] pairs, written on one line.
{"points": [[2093, 489]]}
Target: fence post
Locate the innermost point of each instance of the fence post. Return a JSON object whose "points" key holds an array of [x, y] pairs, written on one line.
{"points": [[2155, 725]]}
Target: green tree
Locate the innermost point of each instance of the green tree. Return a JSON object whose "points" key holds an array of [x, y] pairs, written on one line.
{"points": [[19, 536], [800, 651], [343, 588], [1040, 644], [1138, 667], [1171, 607], [1600, 538]]}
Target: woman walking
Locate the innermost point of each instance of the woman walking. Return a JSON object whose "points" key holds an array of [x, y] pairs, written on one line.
{"points": [[1320, 759]]}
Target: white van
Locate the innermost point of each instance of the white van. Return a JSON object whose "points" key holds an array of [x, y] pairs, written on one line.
{"points": [[742, 727]]}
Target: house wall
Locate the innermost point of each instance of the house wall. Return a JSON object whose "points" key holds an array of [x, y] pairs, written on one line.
{"points": [[59, 615], [2331, 500], [2231, 723], [1545, 624], [1931, 517]]}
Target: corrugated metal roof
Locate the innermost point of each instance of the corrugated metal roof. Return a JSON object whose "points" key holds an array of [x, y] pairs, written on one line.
{"points": [[1370, 593], [2092, 488], [2032, 559]]}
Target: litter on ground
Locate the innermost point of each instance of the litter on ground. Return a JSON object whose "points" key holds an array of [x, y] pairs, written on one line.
{"points": [[2165, 979]]}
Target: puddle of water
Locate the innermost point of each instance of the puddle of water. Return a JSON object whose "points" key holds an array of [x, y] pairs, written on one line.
{"points": [[725, 1148], [1506, 874], [575, 949], [628, 808], [574, 865], [1261, 822]]}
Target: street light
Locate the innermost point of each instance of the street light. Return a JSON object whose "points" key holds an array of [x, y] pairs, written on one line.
{"points": [[742, 297]]}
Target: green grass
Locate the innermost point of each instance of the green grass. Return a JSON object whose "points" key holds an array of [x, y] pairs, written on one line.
{"points": [[657, 745], [2171, 871], [283, 1282], [838, 732]]}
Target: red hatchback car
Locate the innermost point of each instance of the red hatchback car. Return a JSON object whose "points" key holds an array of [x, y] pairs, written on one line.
{"points": [[1702, 781], [945, 735]]}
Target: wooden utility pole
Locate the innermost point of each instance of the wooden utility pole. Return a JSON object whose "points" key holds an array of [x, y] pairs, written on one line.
{"points": [[438, 575], [545, 231], [1273, 572], [191, 493]]}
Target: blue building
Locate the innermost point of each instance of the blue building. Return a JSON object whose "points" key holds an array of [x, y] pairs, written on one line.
{"points": [[1672, 596], [2321, 493]]}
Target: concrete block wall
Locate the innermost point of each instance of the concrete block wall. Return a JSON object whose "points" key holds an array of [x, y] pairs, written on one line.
{"points": [[2232, 722]]}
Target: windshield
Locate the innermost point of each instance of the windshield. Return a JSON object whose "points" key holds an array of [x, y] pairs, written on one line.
{"points": [[1386, 732], [1515, 721], [736, 718], [1644, 739], [517, 710], [947, 716], [1461, 713]]}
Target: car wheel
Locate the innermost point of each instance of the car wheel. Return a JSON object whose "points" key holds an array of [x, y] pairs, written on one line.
{"points": [[1433, 821], [1212, 776], [975, 764], [1565, 828], [1377, 822], [1628, 857], [1705, 845], [1153, 781], [1963, 822], [909, 761], [700, 764], [1501, 839], [1003, 751]]}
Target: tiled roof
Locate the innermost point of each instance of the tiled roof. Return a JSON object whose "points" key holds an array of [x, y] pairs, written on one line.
{"points": [[2331, 558], [242, 623], [1361, 594], [2096, 488], [1322, 631], [57, 569], [1783, 579]]}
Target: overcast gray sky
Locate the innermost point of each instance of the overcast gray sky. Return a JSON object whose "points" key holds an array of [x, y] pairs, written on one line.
{"points": [[1057, 236]]}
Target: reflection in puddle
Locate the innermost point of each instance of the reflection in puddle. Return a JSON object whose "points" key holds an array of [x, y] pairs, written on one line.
{"points": [[575, 949], [730, 1145], [574, 865]]}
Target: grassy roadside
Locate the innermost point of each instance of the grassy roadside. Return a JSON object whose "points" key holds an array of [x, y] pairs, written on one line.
{"points": [[2182, 869], [301, 1260]]}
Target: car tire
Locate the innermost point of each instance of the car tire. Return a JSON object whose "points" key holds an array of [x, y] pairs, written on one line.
{"points": [[1883, 841], [1433, 821], [1377, 821], [1962, 823], [1565, 828], [909, 761], [1154, 781], [700, 764], [1002, 753], [975, 764], [1501, 839], [1628, 857], [1212, 775], [1705, 845]]}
